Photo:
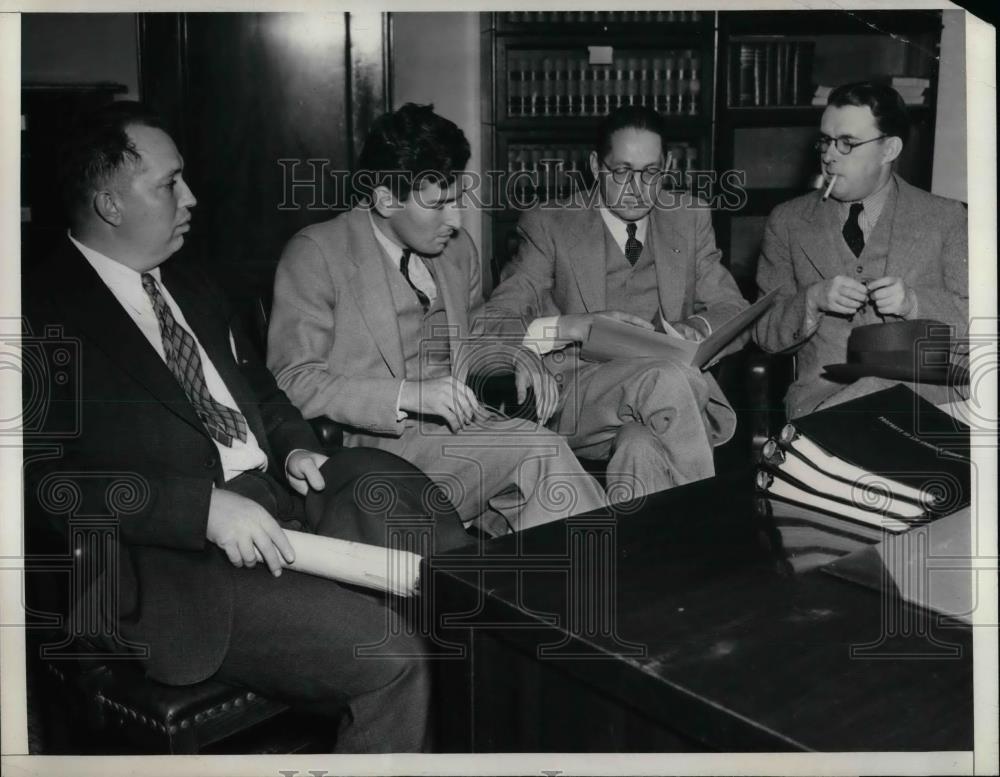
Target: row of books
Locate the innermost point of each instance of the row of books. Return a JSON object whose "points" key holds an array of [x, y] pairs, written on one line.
{"points": [[884, 462], [541, 85], [600, 17], [773, 73]]}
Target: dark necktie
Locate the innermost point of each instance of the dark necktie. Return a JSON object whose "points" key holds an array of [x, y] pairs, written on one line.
{"points": [[183, 360], [632, 246], [853, 235], [404, 267]]}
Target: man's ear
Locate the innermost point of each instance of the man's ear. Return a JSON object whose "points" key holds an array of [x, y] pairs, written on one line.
{"points": [[595, 164], [892, 149], [384, 202], [106, 206]]}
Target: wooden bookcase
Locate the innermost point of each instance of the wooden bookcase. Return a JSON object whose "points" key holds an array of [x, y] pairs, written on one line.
{"points": [[548, 78], [765, 126], [542, 99]]}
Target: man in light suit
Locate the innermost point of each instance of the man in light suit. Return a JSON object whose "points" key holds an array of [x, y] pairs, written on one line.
{"points": [[643, 255], [877, 250], [175, 407], [370, 327]]}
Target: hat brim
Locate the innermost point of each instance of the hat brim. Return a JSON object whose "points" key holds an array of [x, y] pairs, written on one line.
{"points": [[950, 374]]}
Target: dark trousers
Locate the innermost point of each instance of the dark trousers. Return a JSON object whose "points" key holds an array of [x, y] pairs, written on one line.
{"points": [[303, 639]]}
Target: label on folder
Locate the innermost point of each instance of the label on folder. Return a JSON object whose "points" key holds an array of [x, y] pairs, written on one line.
{"points": [[610, 339]]}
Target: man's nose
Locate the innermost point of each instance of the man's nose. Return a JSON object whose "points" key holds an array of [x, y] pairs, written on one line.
{"points": [[452, 216], [188, 200]]}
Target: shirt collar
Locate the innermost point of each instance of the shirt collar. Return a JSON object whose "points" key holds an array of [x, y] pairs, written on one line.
{"points": [[113, 273], [874, 202], [393, 251], [619, 228]]}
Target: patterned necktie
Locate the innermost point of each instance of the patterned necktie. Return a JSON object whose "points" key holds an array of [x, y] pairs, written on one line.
{"points": [[632, 246], [183, 360], [404, 267], [853, 235]]}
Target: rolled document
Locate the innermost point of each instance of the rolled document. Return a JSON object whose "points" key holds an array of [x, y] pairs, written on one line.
{"points": [[782, 489], [843, 470], [372, 566], [864, 493]]}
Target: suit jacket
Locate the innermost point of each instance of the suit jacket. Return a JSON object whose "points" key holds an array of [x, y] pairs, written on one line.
{"points": [[928, 249], [130, 421], [334, 342], [560, 267]]}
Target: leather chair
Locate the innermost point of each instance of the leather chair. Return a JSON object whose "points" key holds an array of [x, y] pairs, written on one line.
{"points": [[89, 702]]}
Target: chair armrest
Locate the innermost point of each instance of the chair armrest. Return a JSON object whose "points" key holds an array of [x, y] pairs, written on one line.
{"points": [[329, 433]]}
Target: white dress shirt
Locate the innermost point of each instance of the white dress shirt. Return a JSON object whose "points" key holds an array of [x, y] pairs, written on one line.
{"points": [[126, 285]]}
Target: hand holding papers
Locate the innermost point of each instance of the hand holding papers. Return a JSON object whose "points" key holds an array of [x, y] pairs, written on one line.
{"points": [[614, 340]]}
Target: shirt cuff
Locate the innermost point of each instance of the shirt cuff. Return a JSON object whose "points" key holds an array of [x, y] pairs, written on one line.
{"points": [[541, 335], [401, 415], [708, 326], [915, 310]]}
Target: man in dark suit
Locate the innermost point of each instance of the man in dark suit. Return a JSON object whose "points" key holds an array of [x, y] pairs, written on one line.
{"points": [[877, 250], [646, 256], [172, 400]]}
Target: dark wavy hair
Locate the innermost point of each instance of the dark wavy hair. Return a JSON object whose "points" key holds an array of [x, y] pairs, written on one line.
{"points": [[888, 108], [96, 148], [630, 117], [409, 146]]}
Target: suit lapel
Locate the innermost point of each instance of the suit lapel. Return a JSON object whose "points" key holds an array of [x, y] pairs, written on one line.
{"points": [[95, 309], [907, 231], [587, 259], [669, 246], [819, 233], [454, 297], [372, 292]]}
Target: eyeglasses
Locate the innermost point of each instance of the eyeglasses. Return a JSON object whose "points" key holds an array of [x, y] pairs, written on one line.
{"points": [[844, 146], [623, 173]]}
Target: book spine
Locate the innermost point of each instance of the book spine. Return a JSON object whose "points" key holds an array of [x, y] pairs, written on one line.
{"points": [[770, 76], [746, 76], [758, 75]]}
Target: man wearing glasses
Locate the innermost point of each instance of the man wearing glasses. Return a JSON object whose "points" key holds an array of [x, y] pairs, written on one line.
{"points": [[643, 255], [877, 250]]}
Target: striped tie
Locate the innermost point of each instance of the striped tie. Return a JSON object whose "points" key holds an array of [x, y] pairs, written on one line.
{"points": [[183, 360]]}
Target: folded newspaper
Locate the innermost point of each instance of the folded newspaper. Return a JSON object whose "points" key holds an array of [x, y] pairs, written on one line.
{"points": [[610, 339], [372, 566]]}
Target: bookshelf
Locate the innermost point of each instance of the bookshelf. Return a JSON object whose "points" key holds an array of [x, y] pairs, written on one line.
{"points": [[771, 66], [549, 77]]}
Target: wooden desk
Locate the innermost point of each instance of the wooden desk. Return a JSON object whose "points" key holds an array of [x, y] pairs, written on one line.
{"points": [[713, 643]]}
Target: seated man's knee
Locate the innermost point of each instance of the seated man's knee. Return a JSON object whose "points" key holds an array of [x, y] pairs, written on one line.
{"points": [[636, 439]]}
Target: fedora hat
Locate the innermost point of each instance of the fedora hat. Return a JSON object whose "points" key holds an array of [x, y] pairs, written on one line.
{"points": [[919, 351]]}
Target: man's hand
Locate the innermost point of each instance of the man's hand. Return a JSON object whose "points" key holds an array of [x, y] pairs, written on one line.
{"points": [[445, 397], [239, 526], [839, 294], [302, 471], [689, 331], [576, 326], [892, 297], [530, 372]]}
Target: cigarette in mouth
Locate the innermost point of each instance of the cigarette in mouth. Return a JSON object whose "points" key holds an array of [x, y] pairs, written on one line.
{"points": [[829, 187]]}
